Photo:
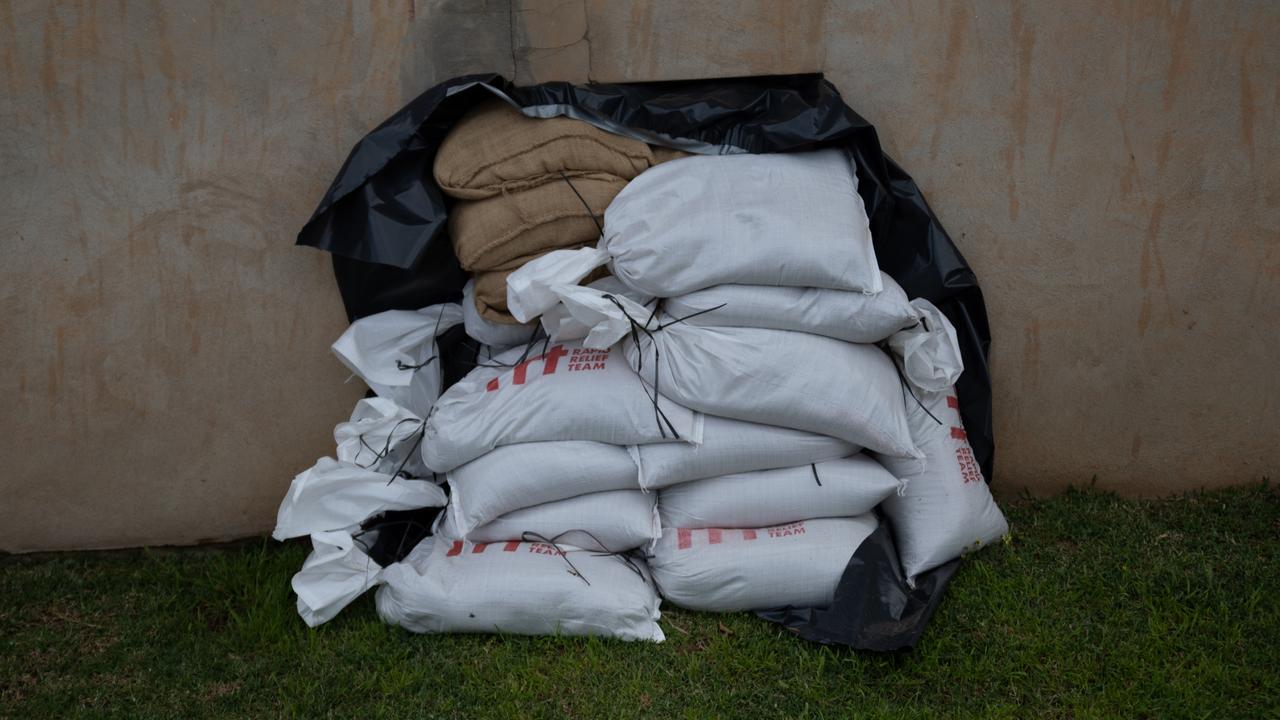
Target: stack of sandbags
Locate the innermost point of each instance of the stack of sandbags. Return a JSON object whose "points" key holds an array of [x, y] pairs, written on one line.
{"points": [[767, 304], [555, 449], [768, 538], [723, 418], [525, 186], [553, 559], [533, 443]]}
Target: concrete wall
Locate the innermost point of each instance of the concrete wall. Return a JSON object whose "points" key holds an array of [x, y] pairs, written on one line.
{"points": [[1110, 169], [166, 366]]}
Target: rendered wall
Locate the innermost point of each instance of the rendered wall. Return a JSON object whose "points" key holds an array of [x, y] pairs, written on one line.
{"points": [[1109, 169]]}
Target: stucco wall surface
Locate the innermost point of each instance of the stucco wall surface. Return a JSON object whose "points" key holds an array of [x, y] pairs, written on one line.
{"points": [[1110, 170], [166, 366]]}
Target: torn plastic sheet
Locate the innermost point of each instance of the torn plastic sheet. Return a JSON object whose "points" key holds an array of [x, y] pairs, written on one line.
{"points": [[385, 222]]}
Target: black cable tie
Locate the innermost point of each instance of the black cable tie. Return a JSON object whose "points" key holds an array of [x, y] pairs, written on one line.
{"points": [[386, 448], [902, 379], [422, 431], [584, 203], [402, 365], [529, 536], [659, 416], [679, 320]]}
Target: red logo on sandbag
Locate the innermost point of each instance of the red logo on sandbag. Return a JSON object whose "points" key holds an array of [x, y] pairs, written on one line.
{"points": [[969, 469], [509, 546], [717, 536], [579, 360]]}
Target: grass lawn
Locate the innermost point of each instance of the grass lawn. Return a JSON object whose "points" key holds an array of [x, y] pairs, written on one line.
{"points": [[1098, 607]]}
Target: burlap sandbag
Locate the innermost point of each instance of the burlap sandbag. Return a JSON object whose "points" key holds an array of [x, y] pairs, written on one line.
{"points": [[495, 148], [491, 289], [490, 234], [491, 296]]}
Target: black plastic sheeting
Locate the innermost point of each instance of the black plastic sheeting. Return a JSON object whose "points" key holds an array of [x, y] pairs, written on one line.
{"points": [[874, 608], [388, 537], [384, 220]]}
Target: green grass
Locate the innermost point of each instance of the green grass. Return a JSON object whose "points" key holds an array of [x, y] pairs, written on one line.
{"points": [[1098, 607]]}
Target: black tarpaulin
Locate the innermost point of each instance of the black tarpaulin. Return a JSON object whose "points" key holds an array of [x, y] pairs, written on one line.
{"points": [[384, 220], [874, 608]]}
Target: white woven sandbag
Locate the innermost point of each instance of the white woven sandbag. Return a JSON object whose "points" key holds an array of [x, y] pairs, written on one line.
{"points": [[776, 377], [512, 477], [798, 564], [840, 314], [498, 336], [395, 353], [520, 588], [836, 488], [336, 572], [733, 446], [779, 377], [559, 324], [792, 219], [946, 508], [332, 495], [562, 392], [611, 521], [381, 436], [928, 352]]}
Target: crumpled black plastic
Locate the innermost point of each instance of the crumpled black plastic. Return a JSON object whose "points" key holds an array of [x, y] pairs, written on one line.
{"points": [[874, 608], [384, 220], [388, 537]]}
